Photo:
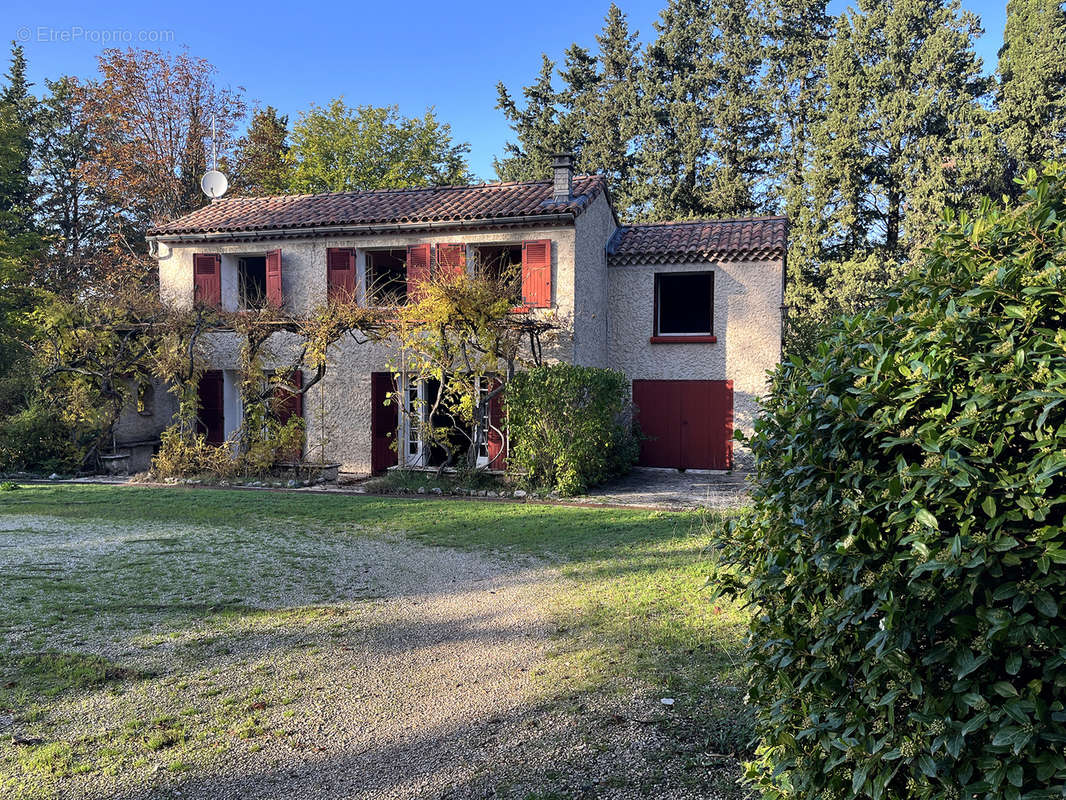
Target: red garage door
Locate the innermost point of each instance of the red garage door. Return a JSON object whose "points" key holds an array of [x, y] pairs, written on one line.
{"points": [[687, 424]]}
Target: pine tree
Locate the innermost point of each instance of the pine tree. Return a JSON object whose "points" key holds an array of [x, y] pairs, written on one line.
{"points": [[259, 166], [741, 115], [73, 216], [540, 128], [903, 136], [594, 115], [611, 112], [674, 163], [17, 107], [1031, 101], [794, 86]]}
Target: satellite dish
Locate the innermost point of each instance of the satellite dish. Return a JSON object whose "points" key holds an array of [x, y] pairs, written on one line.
{"points": [[214, 184]]}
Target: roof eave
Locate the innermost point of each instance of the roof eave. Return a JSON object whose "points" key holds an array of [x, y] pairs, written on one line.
{"points": [[566, 217], [696, 257]]}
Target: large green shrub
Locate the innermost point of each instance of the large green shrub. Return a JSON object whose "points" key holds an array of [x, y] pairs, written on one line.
{"points": [[905, 557], [570, 427], [35, 439]]}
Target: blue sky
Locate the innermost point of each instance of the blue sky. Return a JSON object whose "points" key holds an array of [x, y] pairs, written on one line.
{"points": [[414, 54]]}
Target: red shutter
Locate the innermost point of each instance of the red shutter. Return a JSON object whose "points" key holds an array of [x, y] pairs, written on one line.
{"points": [[340, 273], [418, 270], [207, 279], [384, 420], [497, 433], [211, 420], [451, 259], [288, 401], [273, 278], [537, 273]]}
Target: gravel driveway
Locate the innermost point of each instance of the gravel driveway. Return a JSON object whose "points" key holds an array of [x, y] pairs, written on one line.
{"points": [[380, 669]]}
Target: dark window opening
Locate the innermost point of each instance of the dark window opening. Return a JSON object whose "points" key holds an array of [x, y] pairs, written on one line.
{"points": [[386, 277], [252, 282], [145, 398], [685, 303], [458, 432], [502, 263]]}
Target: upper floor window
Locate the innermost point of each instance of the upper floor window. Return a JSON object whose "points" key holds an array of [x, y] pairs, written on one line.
{"points": [[684, 304], [501, 263], [386, 277], [251, 283]]}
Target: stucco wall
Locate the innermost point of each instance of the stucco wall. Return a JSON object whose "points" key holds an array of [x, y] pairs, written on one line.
{"points": [[607, 313], [338, 409], [747, 323], [593, 230]]}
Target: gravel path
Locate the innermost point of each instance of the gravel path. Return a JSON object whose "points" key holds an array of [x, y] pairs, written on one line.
{"points": [[389, 670]]}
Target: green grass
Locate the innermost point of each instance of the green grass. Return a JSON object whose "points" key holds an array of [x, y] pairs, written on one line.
{"points": [[181, 573]]}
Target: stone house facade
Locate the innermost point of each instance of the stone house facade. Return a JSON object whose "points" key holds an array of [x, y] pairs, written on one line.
{"points": [[691, 312]]}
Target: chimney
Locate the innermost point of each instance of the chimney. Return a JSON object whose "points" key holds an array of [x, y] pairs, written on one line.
{"points": [[563, 177]]}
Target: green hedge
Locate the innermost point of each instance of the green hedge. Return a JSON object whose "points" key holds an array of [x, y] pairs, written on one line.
{"points": [[570, 427], [906, 551]]}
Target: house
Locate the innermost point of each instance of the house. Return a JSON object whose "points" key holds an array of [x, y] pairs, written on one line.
{"points": [[690, 311]]}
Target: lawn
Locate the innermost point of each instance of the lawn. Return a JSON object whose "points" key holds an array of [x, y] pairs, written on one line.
{"points": [[152, 636]]}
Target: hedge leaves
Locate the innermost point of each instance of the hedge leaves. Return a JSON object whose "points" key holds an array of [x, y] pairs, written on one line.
{"points": [[905, 553]]}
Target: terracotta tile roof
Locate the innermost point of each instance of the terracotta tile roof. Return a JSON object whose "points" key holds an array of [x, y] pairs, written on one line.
{"points": [[489, 201], [699, 240]]}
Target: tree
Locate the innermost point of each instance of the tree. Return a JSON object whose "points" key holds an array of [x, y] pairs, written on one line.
{"points": [[259, 166], [17, 109], [74, 216], [798, 39], [461, 332], [19, 240], [608, 111], [904, 135], [1031, 98], [150, 115], [708, 127], [338, 148], [539, 126]]}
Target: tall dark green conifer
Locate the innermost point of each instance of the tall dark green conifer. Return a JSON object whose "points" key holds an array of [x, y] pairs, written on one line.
{"points": [[72, 215], [259, 166], [539, 126], [674, 163], [709, 127], [904, 135], [1031, 101], [594, 114], [610, 111], [17, 108]]}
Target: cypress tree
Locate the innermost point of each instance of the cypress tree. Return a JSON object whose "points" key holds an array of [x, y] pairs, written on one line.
{"points": [[707, 150], [904, 134], [1031, 101], [540, 128]]}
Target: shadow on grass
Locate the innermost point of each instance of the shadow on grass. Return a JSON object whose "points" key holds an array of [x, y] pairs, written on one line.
{"points": [[630, 612]]}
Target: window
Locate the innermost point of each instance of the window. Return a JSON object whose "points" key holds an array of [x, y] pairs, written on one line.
{"points": [[684, 306], [503, 263], [145, 398], [251, 282], [386, 277], [414, 408]]}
